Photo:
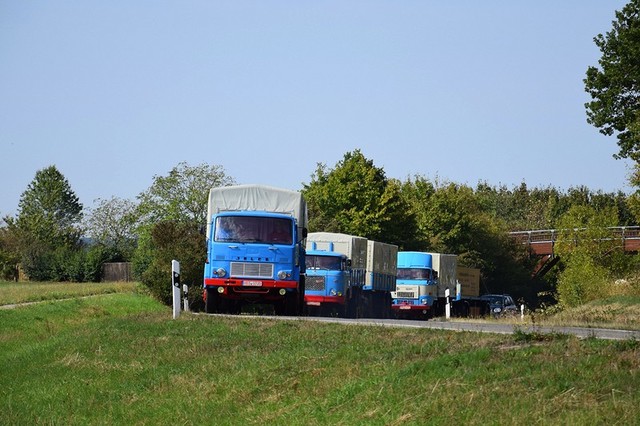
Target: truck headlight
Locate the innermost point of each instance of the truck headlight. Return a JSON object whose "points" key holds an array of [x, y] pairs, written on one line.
{"points": [[283, 275], [220, 272]]}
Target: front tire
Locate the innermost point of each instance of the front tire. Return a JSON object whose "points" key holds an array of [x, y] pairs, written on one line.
{"points": [[212, 302]]}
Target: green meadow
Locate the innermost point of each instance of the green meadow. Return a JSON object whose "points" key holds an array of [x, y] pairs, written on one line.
{"points": [[119, 358]]}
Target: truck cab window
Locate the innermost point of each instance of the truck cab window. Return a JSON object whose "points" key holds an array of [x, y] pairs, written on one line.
{"points": [[324, 262], [245, 229], [413, 274]]}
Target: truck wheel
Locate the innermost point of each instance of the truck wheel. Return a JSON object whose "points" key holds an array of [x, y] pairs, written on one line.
{"points": [[212, 302], [300, 296]]}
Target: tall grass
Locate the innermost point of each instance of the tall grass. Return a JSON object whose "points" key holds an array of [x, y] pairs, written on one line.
{"points": [[122, 360], [620, 312]]}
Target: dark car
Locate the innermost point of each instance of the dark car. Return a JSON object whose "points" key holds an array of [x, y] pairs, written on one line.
{"points": [[500, 304]]}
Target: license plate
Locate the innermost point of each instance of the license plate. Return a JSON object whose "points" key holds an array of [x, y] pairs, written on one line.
{"points": [[405, 307], [313, 303], [252, 283]]}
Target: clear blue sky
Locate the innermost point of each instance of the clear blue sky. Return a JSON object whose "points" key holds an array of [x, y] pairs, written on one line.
{"points": [[115, 92]]}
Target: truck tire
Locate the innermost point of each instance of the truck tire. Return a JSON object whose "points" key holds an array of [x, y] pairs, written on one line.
{"points": [[301, 291], [211, 303]]}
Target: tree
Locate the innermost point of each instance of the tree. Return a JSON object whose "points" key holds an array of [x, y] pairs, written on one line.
{"points": [[47, 225], [589, 256], [182, 195], [171, 214], [49, 209], [355, 197], [9, 253], [614, 86], [452, 219], [112, 224]]}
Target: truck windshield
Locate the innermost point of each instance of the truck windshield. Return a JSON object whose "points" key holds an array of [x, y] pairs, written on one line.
{"points": [[413, 274], [323, 262], [247, 229]]}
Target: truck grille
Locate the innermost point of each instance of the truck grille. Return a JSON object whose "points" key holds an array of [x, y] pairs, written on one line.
{"points": [[314, 283], [251, 270], [406, 295]]}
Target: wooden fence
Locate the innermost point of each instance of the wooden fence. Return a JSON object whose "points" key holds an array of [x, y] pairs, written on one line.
{"points": [[117, 271]]}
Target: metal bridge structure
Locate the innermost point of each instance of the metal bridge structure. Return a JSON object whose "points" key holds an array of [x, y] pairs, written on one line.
{"points": [[542, 243]]}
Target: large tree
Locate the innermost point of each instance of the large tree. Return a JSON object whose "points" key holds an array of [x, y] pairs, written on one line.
{"points": [[112, 224], [47, 225], [355, 197], [182, 195], [172, 213], [49, 209], [614, 85]]}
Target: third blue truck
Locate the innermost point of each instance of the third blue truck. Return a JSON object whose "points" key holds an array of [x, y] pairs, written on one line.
{"points": [[423, 282]]}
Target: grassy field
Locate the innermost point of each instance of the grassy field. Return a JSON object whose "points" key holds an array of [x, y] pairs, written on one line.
{"points": [[26, 292], [121, 359]]}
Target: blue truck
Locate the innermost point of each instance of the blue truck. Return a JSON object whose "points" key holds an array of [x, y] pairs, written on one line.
{"points": [[427, 281], [349, 276], [255, 249]]}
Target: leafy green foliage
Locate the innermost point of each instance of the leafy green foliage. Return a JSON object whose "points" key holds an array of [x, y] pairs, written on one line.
{"points": [[614, 85], [9, 254], [582, 280], [180, 241], [589, 256], [355, 197], [49, 210], [47, 226], [112, 225], [452, 219], [171, 214], [182, 195]]}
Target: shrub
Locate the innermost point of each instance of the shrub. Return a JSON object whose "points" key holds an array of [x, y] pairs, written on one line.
{"points": [[582, 281], [181, 241]]}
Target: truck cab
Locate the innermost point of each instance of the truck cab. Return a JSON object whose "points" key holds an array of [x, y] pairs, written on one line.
{"points": [[416, 284], [328, 279]]}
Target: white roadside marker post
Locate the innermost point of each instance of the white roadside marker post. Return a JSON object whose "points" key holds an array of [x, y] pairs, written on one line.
{"points": [[185, 299], [175, 284], [447, 307]]}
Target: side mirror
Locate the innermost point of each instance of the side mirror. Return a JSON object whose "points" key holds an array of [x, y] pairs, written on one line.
{"points": [[305, 232]]}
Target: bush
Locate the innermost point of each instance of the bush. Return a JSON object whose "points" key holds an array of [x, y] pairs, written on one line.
{"points": [[181, 241], [582, 281]]}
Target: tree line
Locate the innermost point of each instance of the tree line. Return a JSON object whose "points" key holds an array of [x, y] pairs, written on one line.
{"points": [[54, 238]]}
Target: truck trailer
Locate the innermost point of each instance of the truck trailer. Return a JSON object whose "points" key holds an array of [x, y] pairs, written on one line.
{"points": [[349, 275], [255, 249]]}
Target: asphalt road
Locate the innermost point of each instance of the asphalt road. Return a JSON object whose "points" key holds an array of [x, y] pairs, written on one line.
{"points": [[482, 327], [479, 327]]}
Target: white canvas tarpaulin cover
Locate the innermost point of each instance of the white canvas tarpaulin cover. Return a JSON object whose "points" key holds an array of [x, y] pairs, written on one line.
{"points": [[257, 198], [355, 248]]}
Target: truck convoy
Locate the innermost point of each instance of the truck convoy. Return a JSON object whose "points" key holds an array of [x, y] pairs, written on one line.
{"points": [[255, 249], [350, 276], [425, 280]]}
